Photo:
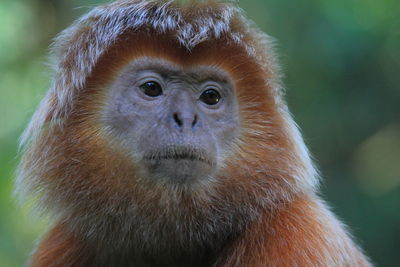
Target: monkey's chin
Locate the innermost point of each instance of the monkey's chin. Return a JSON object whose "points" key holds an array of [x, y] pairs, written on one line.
{"points": [[182, 171]]}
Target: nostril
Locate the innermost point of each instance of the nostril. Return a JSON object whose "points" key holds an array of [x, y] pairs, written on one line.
{"points": [[194, 121], [177, 119]]}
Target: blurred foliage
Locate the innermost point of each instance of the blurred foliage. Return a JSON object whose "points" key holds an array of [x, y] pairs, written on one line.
{"points": [[342, 61]]}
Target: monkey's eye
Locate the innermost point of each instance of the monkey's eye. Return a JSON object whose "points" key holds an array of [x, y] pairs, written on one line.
{"points": [[151, 88], [210, 97]]}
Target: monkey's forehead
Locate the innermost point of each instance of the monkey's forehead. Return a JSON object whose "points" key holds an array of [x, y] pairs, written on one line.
{"points": [[167, 69], [188, 26], [139, 50]]}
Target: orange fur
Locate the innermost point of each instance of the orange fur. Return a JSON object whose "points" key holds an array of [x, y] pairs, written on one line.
{"points": [[60, 248], [299, 233], [260, 209]]}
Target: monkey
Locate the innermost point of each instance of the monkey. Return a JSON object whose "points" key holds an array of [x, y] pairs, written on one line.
{"points": [[165, 140]]}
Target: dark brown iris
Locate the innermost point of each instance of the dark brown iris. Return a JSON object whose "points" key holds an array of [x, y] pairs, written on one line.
{"points": [[210, 97], [151, 88]]}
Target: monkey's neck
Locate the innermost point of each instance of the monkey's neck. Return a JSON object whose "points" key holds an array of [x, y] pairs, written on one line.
{"points": [[203, 257], [67, 246]]}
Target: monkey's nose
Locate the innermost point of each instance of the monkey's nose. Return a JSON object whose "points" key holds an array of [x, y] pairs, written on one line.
{"points": [[184, 122]]}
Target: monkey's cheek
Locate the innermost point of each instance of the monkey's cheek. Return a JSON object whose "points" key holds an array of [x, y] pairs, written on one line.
{"points": [[179, 171]]}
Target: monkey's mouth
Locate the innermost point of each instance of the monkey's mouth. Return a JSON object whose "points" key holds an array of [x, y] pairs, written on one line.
{"points": [[179, 164], [179, 153]]}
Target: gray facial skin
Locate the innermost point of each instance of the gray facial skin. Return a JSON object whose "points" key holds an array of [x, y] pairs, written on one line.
{"points": [[178, 124]]}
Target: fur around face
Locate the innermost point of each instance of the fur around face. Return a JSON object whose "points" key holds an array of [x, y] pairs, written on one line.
{"points": [[93, 191], [78, 48]]}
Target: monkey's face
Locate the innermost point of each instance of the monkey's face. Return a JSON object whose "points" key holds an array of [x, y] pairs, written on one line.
{"points": [[176, 122]]}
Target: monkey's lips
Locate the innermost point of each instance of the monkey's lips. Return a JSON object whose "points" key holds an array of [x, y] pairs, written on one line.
{"points": [[179, 153], [179, 164]]}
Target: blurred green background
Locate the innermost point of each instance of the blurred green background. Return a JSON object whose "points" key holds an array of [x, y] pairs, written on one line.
{"points": [[342, 64]]}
